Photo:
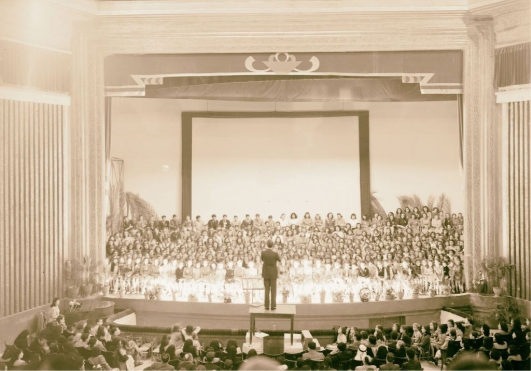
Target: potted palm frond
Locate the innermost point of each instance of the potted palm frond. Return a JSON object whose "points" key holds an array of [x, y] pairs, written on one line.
{"points": [[495, 269], [86, 286], [73, 278], [390, 294], [416, 287]]}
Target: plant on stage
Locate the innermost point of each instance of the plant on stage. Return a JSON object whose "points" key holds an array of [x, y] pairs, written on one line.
{"points": [[365, 294], [390, 293], [73, 305], [417, 287], [479, 285], [338, 296], [495, 269], [377, 207], [137, 206], [306, 298], [73, 277], [155, 292], [285, 291], [227, 298]]}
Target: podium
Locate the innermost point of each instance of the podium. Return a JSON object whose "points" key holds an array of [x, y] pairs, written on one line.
{"points": [[282, 312]]}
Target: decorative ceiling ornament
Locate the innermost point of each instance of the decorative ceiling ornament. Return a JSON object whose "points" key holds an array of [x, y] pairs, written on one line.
{"points": [[282, 64]]}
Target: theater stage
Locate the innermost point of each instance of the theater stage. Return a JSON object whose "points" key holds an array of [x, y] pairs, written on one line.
{"points": [[309, 316]]}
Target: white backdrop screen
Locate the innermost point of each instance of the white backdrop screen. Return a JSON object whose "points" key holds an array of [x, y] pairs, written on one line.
{"points": [[275, 165]]}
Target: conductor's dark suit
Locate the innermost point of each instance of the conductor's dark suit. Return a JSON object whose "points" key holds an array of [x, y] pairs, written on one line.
{"points": [[270, 275]]}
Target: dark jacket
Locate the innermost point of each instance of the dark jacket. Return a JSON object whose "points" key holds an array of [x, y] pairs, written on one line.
{"points": [[412, 364], [269, 269]]}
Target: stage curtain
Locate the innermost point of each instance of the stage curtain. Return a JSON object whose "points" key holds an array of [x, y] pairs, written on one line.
{"points": [[512, 65], [298, 90]]}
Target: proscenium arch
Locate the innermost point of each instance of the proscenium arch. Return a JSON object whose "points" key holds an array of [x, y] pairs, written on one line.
{"points": [[259, 33]]}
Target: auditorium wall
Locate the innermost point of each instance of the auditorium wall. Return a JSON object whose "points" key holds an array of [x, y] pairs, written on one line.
{"points": [[414, 146], [33, 204]]}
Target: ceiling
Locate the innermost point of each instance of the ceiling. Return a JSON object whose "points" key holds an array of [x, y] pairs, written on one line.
{"points": [[169, 7]]}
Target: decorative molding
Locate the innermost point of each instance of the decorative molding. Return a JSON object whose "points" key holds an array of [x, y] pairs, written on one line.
{"points": [[423, 79], [276, 65], [35, 96], [514, 95], [36, 45]]}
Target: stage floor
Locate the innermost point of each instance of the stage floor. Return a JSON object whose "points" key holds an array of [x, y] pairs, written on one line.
{"points": [[309, 316]]}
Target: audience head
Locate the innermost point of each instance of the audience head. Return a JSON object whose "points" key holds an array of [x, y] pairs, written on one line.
{"points": [[495, 354], [469, 362], [390, 358], [251, 353], [55, 302], [228, 364], [410, 353], [312, 345], [176, 328], [394, 335], [486, 330], [210, 356], [502, 326], [342, 347]]}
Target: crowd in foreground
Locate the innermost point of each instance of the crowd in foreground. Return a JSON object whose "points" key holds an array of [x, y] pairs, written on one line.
{"points": [[100, 345], [421, 245]]}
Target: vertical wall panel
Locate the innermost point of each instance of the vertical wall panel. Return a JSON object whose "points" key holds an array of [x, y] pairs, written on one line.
{"points": [[32, 200], [517, 127]]}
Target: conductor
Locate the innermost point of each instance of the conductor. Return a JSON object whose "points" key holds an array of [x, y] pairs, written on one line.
{"points": [[270, 275]]}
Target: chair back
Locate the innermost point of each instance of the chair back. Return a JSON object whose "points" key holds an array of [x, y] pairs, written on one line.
{"points": [[378, 362], [453, 348], [518, 365], [345, 365], [315, 364], [400, 361], [476, 343], [356, 364], [293, 356]]}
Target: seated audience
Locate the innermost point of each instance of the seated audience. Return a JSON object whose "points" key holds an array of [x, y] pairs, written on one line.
{"points": [[312, 353], [389, 363], [412, 361], [366, 365]]}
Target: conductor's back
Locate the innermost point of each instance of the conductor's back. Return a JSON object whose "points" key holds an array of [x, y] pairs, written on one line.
{"points": [[270, 259]]}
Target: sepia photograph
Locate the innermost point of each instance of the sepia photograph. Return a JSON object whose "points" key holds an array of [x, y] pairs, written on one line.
{"points": [[265, 185]]}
